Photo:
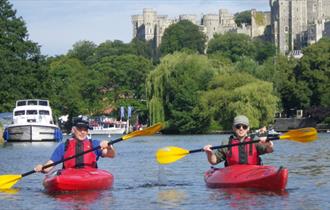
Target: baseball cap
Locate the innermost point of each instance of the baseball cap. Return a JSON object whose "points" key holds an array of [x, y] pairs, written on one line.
{"points": [[81, 123], [241, 119]]}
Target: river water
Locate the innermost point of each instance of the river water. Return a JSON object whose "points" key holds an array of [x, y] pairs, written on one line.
{"points": [[140, 183]]}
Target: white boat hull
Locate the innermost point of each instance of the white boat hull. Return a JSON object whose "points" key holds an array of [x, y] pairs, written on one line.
{"points": [[107, 131], [31, 132]]}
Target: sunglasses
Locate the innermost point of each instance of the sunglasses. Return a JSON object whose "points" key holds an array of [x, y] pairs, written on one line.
{"points": [[239, 126]]}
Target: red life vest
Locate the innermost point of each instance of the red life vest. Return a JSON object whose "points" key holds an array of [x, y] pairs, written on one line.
{"points": [[242, 154], [73, 147]]}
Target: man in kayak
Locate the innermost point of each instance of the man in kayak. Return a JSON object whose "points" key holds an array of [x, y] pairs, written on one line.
{"points": [[77, 144], [243, 154]]}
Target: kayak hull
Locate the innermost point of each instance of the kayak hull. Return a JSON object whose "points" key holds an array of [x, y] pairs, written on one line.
{"points": [[248, 176], [72, 179]]}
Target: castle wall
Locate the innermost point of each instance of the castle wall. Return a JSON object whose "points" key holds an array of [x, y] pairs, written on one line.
{"points": [[291, 24], [326, 9], [259, 22]]}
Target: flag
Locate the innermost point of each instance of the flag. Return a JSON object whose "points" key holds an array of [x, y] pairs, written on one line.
{"points": [[129, 111], [122, 112]]}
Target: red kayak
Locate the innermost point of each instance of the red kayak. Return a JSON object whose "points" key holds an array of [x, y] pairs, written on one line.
{"points": [[72, 179], [248, 176]]}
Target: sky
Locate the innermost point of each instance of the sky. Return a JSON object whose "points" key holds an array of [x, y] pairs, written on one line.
{"points": [[57, 24]]}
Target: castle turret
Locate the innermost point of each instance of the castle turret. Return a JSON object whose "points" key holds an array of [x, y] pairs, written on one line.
{"points": [[211, 24], [149, 21]]}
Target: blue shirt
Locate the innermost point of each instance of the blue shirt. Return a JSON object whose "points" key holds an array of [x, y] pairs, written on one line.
{"points": [[59, 151]]}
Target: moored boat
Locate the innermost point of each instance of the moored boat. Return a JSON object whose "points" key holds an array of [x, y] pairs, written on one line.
{"points": [[108, 126], [247, 176], [80, 179], [32, 121]]}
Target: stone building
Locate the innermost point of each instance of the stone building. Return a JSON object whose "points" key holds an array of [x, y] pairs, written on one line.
{"points": [[290, 24], [298, 23], [151, 26]]}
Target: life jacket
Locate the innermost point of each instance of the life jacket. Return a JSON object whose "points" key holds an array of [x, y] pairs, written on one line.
{"points": [[73, 147], [242, 154]]}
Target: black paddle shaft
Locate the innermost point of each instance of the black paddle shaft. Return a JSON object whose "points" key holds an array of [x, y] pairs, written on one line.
{"points": [[71, 157], [269, 138]]}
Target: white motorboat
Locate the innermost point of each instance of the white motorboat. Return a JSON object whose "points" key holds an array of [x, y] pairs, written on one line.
{"points": [[32, 121], [107, 126]]}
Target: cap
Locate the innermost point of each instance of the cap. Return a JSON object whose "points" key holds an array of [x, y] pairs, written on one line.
{"points": [[241, 119], [80, 123]]}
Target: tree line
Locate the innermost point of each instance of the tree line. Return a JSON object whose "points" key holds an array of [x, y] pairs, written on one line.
{"points": [[191, 86]]}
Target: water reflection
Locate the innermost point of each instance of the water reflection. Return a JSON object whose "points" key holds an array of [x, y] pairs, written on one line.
{"points": [[171, 197], [240, 198], [11, 191], [86, 197]]}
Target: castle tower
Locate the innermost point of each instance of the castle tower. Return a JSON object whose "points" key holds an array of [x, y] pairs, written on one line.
{"points": [[315, 20], [149, 26], [211, 24], [149, 22], [289, 24]]}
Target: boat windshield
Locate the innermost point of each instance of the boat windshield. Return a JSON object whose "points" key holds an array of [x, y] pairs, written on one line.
{"points": [[18, 113], [21, 103], [32, 102], [43, 103], [43, 112], [31, 112]]}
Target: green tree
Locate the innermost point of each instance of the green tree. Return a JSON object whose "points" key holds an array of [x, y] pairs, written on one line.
{"points": [[243, 17], [236, 93], [123, 80], [144, 48], [113, 48], [314, 69], [21, 65], [83, 50], [69, 79], [182, 35], [173, 91], [264, 50], [280, 70], [232, 45]]}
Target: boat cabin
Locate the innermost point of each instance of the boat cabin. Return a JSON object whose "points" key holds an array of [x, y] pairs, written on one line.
{"points": [[32, 111]]}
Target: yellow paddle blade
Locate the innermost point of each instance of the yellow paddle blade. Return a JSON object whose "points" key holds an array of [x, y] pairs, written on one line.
{"points": [[145, 132], [303, 135], [170, 154], [7, 181]]}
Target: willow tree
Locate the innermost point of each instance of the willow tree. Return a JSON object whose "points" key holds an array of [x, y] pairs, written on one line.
{"points": [[173, 92], [236, 93]]}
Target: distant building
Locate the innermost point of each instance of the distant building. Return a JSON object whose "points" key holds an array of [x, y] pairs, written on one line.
{"points": [[150, 26], [290, 24], [298, 23]]}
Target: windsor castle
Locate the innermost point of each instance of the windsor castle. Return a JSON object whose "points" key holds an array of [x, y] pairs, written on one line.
{"points": [[290, 24]]}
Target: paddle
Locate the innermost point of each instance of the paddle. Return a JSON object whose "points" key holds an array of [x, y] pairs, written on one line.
{"points": [[7, 181], [171, 154]]}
